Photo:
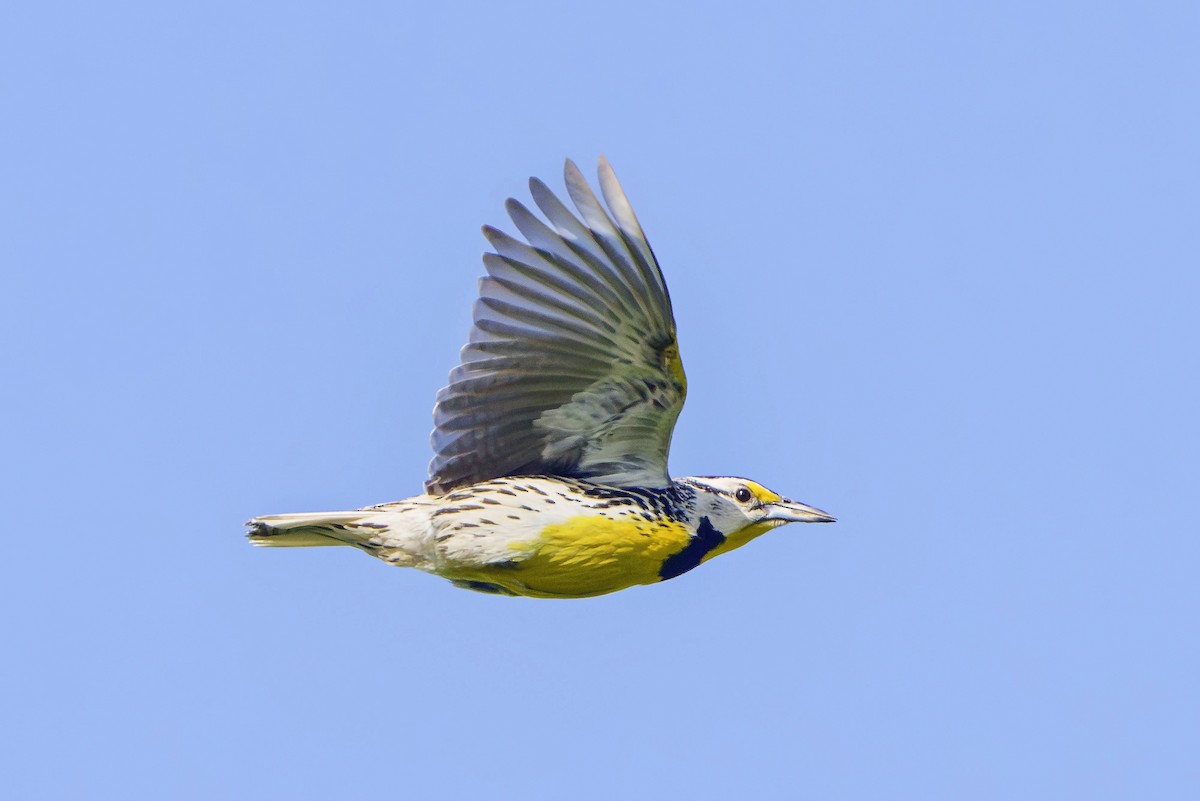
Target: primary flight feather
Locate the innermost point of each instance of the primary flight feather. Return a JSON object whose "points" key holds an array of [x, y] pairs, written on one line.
{"points": [[549, 476]]}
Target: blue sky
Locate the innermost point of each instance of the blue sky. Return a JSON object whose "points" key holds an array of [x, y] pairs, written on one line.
{"points": [[935, 268]]}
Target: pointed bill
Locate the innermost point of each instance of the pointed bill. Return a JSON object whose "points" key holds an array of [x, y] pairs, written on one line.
{"points": [[786, 511]]}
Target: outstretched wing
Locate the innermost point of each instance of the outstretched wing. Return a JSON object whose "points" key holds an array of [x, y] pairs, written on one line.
{"points": [[572, 367]]}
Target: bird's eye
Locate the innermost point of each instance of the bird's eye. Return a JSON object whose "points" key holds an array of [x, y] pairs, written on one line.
{"points": [[743, 495]]}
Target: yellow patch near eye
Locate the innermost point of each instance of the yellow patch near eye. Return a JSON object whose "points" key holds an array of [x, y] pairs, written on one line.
{"points": [[762, 494]]}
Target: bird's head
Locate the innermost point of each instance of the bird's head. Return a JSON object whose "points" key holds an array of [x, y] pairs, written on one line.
{"points": [[742, 509]]}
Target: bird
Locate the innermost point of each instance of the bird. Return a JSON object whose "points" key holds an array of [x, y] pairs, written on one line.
{"points": [[549, 477]]}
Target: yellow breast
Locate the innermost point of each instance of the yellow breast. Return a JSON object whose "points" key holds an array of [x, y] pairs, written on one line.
{"points": [[585, 556]]}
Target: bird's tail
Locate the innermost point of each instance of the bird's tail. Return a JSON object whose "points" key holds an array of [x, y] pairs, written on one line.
{"points": [[314, 528]]}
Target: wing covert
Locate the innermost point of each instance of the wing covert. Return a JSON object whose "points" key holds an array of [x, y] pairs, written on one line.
{"points": [[572, 366]]}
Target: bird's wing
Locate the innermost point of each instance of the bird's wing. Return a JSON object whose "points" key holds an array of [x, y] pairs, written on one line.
{"points": [[572, 367]]}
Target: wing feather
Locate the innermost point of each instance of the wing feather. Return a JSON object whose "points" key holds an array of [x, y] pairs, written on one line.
{"points": [[572, 364]]}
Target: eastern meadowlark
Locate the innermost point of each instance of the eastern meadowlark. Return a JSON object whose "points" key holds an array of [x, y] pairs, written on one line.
{"points": [[549, 477]]}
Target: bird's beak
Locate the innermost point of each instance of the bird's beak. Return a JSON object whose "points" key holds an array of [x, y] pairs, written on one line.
{"points": [[785, 511]]}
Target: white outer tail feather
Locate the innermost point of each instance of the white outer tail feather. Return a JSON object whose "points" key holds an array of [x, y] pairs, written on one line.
{"points": [[311, 529]]}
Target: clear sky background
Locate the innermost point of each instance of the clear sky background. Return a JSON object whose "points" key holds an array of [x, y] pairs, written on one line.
{"points": [[936, 268]]}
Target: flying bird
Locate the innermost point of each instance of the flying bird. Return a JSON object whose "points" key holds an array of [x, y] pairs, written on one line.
{"points": [[549, 477]]}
